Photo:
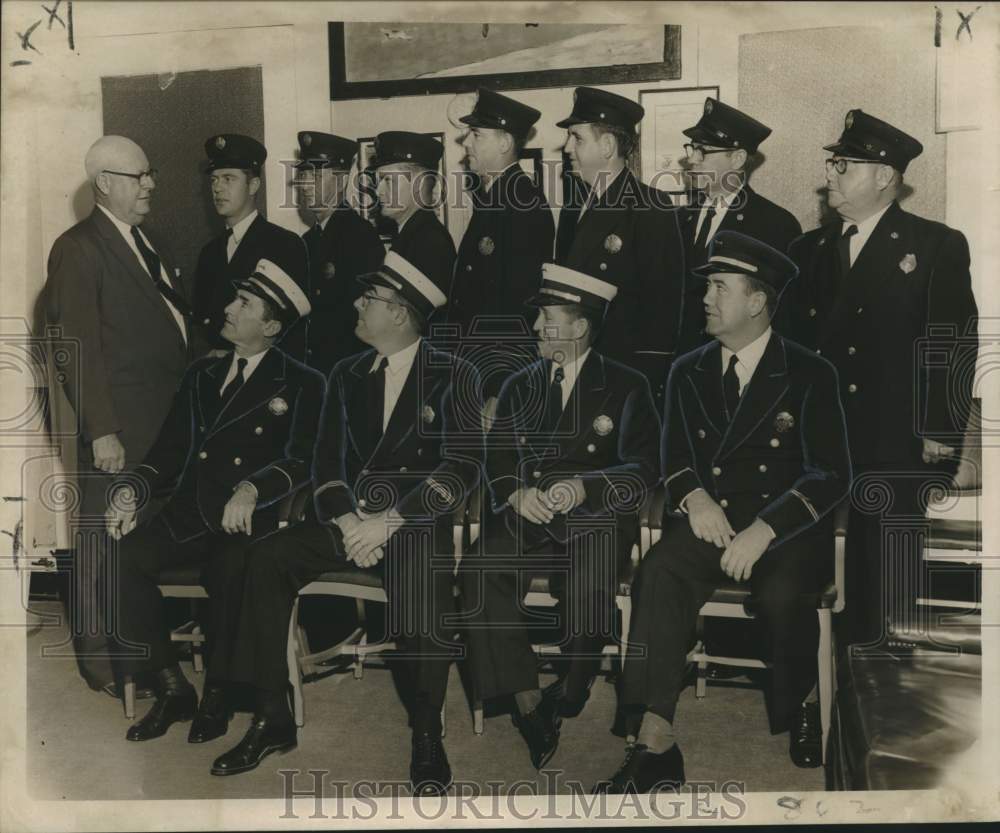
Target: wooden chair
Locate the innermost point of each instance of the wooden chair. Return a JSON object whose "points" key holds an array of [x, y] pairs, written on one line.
{"points": [[728, 602]]}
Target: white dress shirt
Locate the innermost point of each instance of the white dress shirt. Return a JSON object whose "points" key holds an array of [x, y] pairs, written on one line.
{"points": [[239, 230], [865, 229], [126, 231], [722, 206], [595, 195], [397, 369], [570, 370], [747, 359], [252, 362]]}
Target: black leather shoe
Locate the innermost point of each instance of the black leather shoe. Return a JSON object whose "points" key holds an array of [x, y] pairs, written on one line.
{"points": [[262, 738], [805, 740], [430, 773], [540, 730], [644, 771], [212, 719], [112, 690], [173, 706]]}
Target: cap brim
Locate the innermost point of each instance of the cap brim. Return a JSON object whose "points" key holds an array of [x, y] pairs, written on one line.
{"points": [[707, 269], [541, 299], [569, 121], [374, 279], [844, 149]]}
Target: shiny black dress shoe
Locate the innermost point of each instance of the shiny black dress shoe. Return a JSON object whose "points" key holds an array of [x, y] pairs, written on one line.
{"points": [[212, 718], [262, 738], [540, 730], [644, 771], [430, 773], [112, 690], [173, 706], [805, 740]]}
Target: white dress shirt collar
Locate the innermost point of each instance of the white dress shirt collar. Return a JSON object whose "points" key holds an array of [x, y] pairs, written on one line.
{"points": [[865, 229], [252, 362], [747, 358], [397, 371], [240, 229], [571, 371]]}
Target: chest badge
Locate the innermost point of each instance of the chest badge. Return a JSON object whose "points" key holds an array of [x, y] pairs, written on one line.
{"points": [[277, 406], [603, 425], [612, 244], [427, 414], [486, 246], [783, 422], [329, 270], [908, 263]]}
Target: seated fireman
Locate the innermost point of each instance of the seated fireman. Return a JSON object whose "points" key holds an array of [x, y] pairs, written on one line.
{"points": [[754, 457]]}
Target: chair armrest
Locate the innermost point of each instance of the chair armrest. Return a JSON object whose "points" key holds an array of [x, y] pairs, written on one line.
{"points": [[292, 508], [841, 514], [651, 518]]}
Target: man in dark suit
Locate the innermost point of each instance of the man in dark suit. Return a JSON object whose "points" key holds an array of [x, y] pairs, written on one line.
{"points": [[341, 245], [239, 438], [400, 448], [627, 233], [754, 458], [406, 172], [572, 452], [507, 241], [887, 297], [235, 164], [111, 291], [720, 156]]}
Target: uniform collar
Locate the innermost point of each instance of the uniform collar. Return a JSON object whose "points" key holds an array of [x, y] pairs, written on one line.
{"points": [[241, 227], [750, 355], [570, 369], [398, 361], [865, 227]]}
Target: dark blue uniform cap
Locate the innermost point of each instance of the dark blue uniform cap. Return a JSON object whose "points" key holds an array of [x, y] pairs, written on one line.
{"points": [[324, 150], [231, 150], [400, 146], [726, 127], [733, 252], [591, 105], [866, 137], [499, 112]]}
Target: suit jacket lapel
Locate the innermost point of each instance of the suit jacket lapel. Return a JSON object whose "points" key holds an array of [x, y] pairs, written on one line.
{"points": [[266, 382], [584, 400], [707, 382], [827, 283], [767, 385], [209, 385], [598, 221], [356, 405]]}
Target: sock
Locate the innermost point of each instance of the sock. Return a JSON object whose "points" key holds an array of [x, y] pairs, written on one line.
{"points": [[656, 733], [273, 705], [528, 701]]}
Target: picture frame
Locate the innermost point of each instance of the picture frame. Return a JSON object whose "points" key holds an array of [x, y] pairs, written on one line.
{"points": [[376, 60], [668, 112], [366, 186]]}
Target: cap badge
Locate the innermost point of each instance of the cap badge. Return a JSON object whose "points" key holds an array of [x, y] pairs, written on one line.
{"points": [[612, 244], [277, 406], [329, 270], [486, 246], [908, 263], [427, 414], [603, 425], [307, 139], [783, 422], [849, 119], [709, 105], [220, 142]]}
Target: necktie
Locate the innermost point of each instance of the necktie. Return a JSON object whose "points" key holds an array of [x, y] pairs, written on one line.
{"points": [[553, 401], [376, 398], [731, 386], [844, 249], [701, 241], [230, 244], [152, 262], [229, 391]]}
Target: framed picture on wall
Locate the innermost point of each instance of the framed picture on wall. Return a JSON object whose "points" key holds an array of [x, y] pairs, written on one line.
{"points": [[378, 60], [661, 143], [366, 187]]}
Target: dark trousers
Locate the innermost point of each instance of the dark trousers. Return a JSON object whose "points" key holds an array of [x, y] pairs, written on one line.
{"points": [[679, 575], [418, 587], [501, 631], [142, 640]]}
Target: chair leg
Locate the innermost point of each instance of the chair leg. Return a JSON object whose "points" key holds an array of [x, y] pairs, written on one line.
{"points": [[825, 674], [197, 658], [701, 686], [478, 726], [129, 698], [444, 719], [295, 667], [359, 656], [625, 606]]}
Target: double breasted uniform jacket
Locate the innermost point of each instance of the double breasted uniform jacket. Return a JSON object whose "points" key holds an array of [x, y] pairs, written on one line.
{"points": [[607, 435], [500, 261], [264, 435], [900, 380], [427, 460], [630, 236], [425, 243], [782, 457], [346, 247], [213, 287], [750, 214], [131, 353]]}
